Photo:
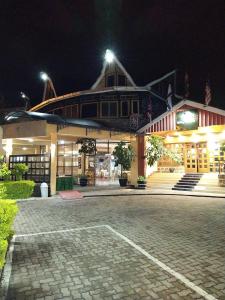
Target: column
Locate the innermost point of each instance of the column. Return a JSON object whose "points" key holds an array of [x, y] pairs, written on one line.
{"points": [[53, 163], [8, 149], [134, 165]]}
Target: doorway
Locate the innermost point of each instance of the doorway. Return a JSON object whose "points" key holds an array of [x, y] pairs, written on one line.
{"points": [[196, 158]]}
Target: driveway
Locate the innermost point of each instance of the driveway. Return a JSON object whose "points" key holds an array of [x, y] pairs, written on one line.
{"points": [[121, 247]]}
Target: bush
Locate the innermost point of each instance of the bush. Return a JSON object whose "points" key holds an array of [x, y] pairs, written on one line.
{"points": [[5, 173], [16, 189], [8, 211], [19, 170]]}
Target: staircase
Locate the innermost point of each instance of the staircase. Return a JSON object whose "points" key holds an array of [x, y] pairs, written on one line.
{"points": [[188, 182], [163, 181]]}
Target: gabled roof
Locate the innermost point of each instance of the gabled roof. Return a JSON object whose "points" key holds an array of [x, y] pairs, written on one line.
{"points": [[178, 106], [117, 63]]}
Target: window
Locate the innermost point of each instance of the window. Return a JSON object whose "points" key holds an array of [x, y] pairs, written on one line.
{"points": [[75, 111], [121, 80], [89, 110], [135, 107], [110, 80], [109, 109], [124, 108]]}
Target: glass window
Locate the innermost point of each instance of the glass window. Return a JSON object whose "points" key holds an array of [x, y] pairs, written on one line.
{"points": [[89, 110], [113, 109], [109, 109], [110, 80], [75, 111], [121, 80], [105, 109], [135, 107], [124, 108]]}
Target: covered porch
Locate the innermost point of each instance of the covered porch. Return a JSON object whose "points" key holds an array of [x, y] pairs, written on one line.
{"points": [[49, 147]]}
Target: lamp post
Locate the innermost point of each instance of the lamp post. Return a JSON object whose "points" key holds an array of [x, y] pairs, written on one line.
{"points": [[49, 90], [26, 99]]}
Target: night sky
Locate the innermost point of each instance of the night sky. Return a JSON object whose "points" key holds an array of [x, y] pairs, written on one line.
{"points": [[67, 39]]}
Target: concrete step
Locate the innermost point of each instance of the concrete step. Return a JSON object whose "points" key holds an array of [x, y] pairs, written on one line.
{"points": [[186, 183], [182, 189]]}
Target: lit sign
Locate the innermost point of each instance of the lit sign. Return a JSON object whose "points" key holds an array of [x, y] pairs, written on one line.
{"points": [[187, 120]]}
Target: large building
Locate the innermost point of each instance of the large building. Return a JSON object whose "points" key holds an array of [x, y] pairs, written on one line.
{"points": [[114, 109]]}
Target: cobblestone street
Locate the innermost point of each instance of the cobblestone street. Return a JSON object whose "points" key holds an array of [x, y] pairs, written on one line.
{"points": [[67, 260]]}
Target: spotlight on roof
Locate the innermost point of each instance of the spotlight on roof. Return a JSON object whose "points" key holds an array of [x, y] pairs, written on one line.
{"points": [[24, 96], [109, 56], [44, 76]]}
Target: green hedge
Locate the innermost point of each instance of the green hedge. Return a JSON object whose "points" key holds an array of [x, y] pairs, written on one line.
{"points": [[16, 189], [8, 211], [64, 183]]}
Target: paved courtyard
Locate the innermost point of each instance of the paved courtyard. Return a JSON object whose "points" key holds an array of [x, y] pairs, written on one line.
{"points": [[121, 247]]}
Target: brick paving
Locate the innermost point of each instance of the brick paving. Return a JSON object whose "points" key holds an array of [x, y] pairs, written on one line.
{"points": [[185, 233]]}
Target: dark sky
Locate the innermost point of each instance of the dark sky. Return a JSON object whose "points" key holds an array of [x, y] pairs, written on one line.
{"points": [[67, 39]]}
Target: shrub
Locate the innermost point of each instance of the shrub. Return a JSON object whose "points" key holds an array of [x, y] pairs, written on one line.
{"points": [[5, 173], [16, 189], [8, 211], [19, 170]]}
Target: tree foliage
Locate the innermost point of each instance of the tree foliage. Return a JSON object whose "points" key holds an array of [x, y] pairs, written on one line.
{"points": [[156, 150], [124, 155]]}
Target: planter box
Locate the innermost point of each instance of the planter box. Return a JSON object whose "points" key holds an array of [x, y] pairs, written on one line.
{"points": [[141, 184], [123, 181]]}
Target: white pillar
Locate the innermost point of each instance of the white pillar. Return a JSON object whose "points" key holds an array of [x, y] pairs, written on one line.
{"points": [[8, 149], [53, 163], [2, 151]]}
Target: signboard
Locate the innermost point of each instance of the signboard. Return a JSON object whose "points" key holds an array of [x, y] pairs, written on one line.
{"points": [[187, 120]]}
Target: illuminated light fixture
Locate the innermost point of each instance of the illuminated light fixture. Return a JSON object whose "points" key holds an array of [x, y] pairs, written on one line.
{"points": [[30, 140], [169, 138], [188, 117], [181, 138], [109, 56], [62, 142], [212, 145], [195, 138], [24, 148], [44, 76]]}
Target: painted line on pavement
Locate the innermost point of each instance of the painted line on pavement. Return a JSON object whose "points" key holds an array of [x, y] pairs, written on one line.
{"points": [[8, 266], [177, 275], [58, 231]]}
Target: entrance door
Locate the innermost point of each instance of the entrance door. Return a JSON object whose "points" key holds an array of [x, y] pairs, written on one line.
{"points": [[190, 158], [203, 158]]}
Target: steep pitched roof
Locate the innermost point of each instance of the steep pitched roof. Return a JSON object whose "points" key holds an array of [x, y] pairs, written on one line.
{"points": [[179, 105], [114, 64]]}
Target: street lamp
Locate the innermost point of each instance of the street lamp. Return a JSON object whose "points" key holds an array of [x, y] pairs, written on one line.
{"points": [[26, 99], [44, 76], [49, 90], [109, 56]]}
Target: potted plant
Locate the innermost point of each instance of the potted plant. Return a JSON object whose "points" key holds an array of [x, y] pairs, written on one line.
{"points": [[19, 170], [124, 155], [88, 147], [83, 180], [141, 181]]}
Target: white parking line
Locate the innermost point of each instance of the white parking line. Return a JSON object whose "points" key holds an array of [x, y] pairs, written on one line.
{"points": [[180, 277], [58, 231], [177, 275]]}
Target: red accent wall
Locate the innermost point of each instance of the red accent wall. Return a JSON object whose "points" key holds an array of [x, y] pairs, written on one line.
{"points": [[206, 118], [141, 153]]}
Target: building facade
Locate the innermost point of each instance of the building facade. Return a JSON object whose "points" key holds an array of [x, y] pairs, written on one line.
{"points": [[196, 132]]}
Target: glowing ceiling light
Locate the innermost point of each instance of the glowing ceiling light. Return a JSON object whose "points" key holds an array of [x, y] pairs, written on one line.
{"points": [[109, 56], [195, 138], [30, 140], [181, 138], [24, 148], [44, 76]]}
